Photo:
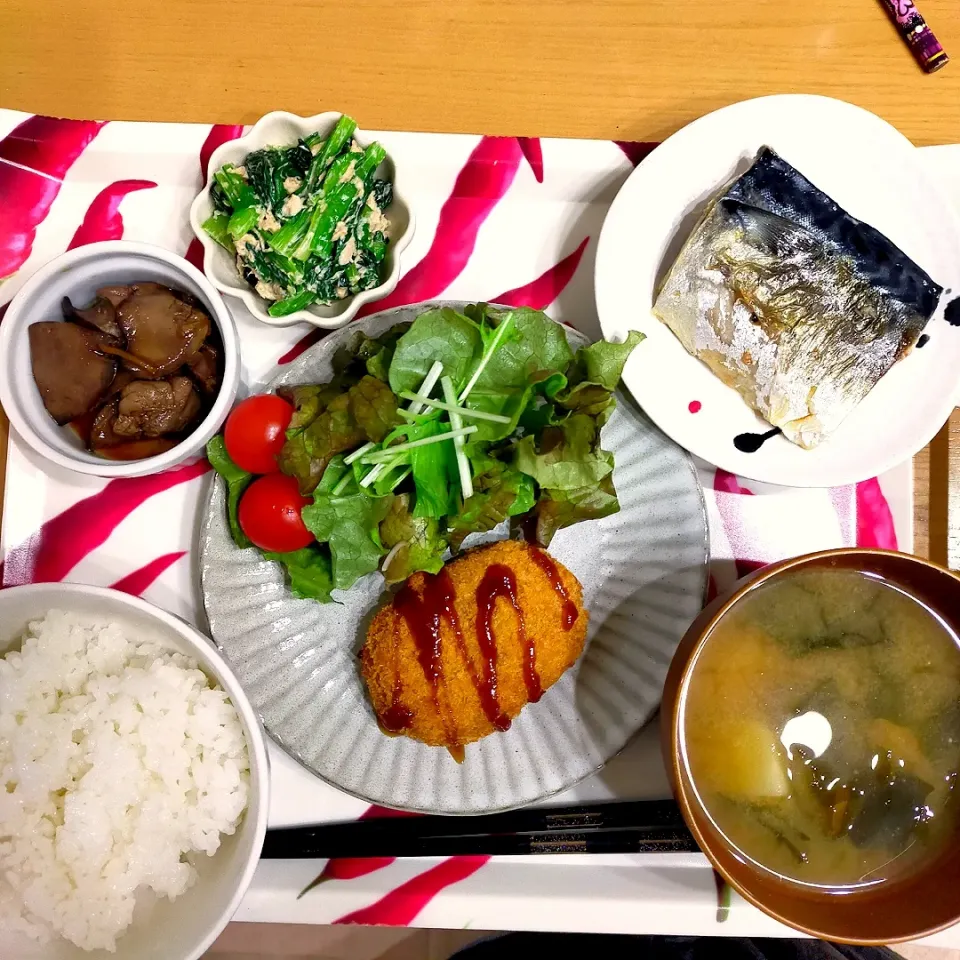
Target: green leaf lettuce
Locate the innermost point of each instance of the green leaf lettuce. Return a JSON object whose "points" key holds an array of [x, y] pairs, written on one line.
{"points": [[567, 456], [350, 525], [422, 543], [308, 571], [237, 481], [443, 335]]}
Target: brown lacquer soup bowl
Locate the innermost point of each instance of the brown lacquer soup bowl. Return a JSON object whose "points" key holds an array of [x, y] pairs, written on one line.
{"points": [[886, 905]]}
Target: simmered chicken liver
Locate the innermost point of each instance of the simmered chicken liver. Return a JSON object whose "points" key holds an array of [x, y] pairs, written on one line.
{"points": [[160, 329], [204, 368], [115, 294], [70, 372], [100, 315], [132, 372], [153, 408]]}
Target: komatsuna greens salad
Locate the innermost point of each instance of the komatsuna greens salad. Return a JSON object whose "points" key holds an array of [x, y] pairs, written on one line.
{"points": [[305, 222], [426, 434]]}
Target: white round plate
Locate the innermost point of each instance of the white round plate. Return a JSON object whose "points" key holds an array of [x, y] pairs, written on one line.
{"points": [[643, 572], [874, 173]]}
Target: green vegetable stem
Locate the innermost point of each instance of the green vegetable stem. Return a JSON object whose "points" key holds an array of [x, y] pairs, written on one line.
{"points": [[338, 201], [218, 228], [339, 137]]}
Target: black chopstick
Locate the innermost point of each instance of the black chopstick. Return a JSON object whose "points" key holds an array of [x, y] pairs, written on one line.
{"points": [[638, 826]]}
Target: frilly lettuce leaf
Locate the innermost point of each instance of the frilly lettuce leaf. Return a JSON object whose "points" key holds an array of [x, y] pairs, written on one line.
{"points": [[350, 525], [602, 362], [566, 457], [374, 407], [308, 571], [499, 492], [423, 544], [561, 508], [533, 347]]}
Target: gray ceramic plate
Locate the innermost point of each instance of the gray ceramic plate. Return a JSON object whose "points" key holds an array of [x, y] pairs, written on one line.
{"points": [[643, 572]]}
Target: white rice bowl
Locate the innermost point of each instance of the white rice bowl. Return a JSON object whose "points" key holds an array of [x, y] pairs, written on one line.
{"points": [[120, 763]]}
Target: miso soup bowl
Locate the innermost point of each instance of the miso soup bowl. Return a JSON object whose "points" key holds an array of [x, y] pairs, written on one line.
{"points": [[915, 906]]}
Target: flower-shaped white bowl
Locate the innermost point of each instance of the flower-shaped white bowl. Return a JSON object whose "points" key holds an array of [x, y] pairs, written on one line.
{"points": [[284, 129], [77, 274]]}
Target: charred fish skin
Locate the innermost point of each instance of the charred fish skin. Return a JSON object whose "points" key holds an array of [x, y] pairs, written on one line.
{"points": [[791, 301], [774, 185]]}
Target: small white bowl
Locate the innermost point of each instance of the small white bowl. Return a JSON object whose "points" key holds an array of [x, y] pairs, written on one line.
{"points": [[284, 129], [77, 274], [186, 927]]}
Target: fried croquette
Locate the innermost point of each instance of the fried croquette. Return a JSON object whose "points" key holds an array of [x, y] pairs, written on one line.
{"points": [[457, 655]]}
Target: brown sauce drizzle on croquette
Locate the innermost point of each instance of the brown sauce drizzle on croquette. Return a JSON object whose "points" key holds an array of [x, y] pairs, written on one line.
{"points": [[397, 717], [499, 581], [424, 614], [568, 609]]}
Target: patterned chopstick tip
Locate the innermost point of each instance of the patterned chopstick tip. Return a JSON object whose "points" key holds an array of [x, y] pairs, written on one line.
{"points": [[918, 36]]}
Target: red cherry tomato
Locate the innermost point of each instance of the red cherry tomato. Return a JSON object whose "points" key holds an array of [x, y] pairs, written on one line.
{"points": [[269, 514], [254, 433]]}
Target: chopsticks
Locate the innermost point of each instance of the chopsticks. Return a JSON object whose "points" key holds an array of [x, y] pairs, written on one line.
{"points": [[636, 826]]}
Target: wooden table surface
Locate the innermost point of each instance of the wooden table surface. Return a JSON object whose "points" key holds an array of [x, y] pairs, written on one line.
{"points": [[616, 69]]}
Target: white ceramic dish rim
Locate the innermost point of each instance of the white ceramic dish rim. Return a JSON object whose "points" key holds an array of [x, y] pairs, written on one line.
{"points": [[14, 325], [210, 657], [254, 139], [894, 454]]}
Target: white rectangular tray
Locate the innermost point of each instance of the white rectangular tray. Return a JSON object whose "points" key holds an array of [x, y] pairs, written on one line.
{"points": [[502, 227]]}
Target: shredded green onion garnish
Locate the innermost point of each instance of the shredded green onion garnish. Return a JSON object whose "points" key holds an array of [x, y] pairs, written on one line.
{"points": [[451, 407], [430, 381], [463, 464], [380, 456], [342, 484], [359, 452], [373, 474]]}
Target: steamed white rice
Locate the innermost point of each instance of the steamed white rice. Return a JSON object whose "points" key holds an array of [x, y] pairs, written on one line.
{"points": [[117, 760]]}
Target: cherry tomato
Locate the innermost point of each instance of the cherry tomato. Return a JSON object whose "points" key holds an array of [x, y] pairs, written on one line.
{"points": [[269, 514], [254, 433]]}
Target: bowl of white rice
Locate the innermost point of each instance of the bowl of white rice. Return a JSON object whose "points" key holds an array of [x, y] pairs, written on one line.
{"points": [[133, 780]]}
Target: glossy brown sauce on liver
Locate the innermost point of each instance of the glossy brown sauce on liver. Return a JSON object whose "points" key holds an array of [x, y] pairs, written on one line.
{"points": [[131, 450]]}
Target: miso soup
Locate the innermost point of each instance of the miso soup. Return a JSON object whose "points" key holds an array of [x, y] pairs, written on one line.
{"points": [[821, 729]]}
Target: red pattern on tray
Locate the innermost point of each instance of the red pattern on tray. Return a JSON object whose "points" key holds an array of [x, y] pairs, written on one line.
{"points": [[540, 293], [637, 150], [219, 134], [401, 905], [144, 576], [874, 520], [532, 152], [34, 159], [103, 220], [64, 540], [351, 868]]}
